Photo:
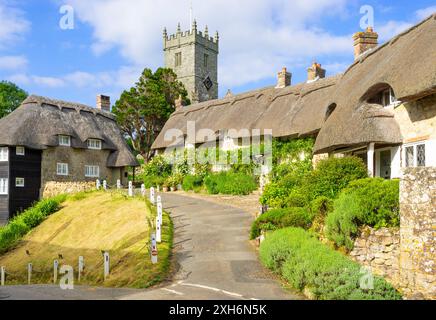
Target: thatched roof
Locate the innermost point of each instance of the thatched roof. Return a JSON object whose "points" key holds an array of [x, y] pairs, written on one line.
{"points": [[266, 108], [407, 63], [38, 122]]}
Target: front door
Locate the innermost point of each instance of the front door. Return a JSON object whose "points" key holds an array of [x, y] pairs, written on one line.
{"points": [[385, 164]]}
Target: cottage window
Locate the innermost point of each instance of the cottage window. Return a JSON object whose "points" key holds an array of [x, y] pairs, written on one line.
{"points": [[4, 154], [20, 151], [19, 182], [4, 186], [92, 171], [386, 98], [178, 59], [62, 169], [414, 155], [65, 141], [94, 144]]}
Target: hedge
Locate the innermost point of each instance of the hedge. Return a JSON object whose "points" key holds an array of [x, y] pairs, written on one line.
{"points": [[306, 263], [230, 183]]}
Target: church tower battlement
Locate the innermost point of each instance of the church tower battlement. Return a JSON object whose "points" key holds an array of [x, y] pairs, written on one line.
{"points": [[193, 55]]}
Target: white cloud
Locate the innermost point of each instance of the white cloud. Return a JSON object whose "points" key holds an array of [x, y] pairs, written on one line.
{"points": [[258, 37], [391, 28], [51, 82], [13, 23], [426, 12], [13, 62]]}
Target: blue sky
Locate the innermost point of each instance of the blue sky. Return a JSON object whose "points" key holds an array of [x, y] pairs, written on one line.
{"points": [[113, 40]]}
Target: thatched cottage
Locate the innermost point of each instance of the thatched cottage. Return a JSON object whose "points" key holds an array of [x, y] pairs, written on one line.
{"points": [[50, 146], [382, 108]]}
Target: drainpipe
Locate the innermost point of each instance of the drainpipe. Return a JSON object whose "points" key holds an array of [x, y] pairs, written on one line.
{"points": [[370, 157]]}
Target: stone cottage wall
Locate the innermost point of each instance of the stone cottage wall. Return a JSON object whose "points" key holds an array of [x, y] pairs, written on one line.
{"points": [[418, 231], [380, 251]]}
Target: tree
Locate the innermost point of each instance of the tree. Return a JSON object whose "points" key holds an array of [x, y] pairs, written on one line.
{"points": [[143, 110], [11, 96]]}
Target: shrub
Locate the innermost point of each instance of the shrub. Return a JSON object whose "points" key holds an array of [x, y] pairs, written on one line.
{"points": [[29, 219], [158, 166], [191, 182], [281, 218], [305, 262], [372, 201], [230, 183]]}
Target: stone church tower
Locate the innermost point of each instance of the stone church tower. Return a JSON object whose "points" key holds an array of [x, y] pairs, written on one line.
{"points": [[193, 55]]}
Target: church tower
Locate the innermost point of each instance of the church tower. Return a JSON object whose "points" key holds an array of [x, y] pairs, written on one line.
{"points": [[193, 55]]}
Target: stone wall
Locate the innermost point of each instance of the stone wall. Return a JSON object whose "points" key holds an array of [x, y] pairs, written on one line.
{"points": [[418, 232], [380, 251], [53, 188]]}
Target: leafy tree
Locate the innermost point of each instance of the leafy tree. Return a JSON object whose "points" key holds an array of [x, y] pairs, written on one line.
{"points": [[143, 110], [11, 96]]}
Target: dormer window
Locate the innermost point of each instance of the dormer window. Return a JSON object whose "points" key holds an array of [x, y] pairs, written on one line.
{"points": [[65, 141], [94, 144], [386, 98], [4, 154]]}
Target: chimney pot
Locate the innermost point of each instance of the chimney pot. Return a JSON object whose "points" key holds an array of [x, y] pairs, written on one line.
{"points": [[364, 41], [104, 103], [284, 78], [315, 72]]}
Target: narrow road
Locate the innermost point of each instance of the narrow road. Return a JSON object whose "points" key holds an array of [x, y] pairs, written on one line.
{"points": [[214, 260]]}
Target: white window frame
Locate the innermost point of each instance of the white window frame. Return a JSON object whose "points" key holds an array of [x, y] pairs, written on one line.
{"points": [[64, 143], [415, 145], [92, 171], [4, 186], [388, 94], [94, 144], [62, 169], [19, 182], [4, 154], [20, 151]]}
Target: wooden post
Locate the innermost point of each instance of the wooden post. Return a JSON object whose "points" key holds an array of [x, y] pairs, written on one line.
{"points": [[2, 276], [130, 189], [55, 271], [159, 212], [29, 273], [81, 267], [143, 190], [153, 249], [104, 184], [106, 264], [152, 193], [118, 184], [97, 184], [158, 230]]}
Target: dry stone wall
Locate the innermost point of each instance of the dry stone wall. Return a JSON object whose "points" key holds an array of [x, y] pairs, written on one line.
{"points": [[53, 188]]}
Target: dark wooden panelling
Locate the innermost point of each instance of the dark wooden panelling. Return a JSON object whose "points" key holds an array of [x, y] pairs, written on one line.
{"points": [[29, 168], [4, 199]]}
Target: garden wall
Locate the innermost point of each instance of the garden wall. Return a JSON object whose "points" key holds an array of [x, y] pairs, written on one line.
{"points": [[418, 231], [54, 188]]}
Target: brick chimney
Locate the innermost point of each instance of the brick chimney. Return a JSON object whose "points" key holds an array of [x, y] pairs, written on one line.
{"points": [[178, 104], [364, 41], [315, 72], [284, 78], [104, 103]]}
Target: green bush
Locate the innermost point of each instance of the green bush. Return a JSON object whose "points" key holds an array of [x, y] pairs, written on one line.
{"points": [[280, 218], [29, 219], [373, 202], [158, 166], [230, 183], [191, 182], [305, 262]]}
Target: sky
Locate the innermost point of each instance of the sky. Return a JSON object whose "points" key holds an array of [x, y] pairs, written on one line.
{"points": [[74, 50]]}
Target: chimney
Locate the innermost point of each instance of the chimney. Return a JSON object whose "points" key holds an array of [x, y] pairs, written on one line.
{"points": [[104, 103], [178, 103], [315, 72], [284, 78], [364, 41]]}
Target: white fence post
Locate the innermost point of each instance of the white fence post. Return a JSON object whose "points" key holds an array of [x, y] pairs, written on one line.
{"points": [[2, 276], [130, 189], [152, 194], [158, 230], [55, 271], [143, 190], [118, 184], [106, 265], [104, 184], [81, 267], [97, 184], [153, 249], [29, 273], [159, 210]]}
